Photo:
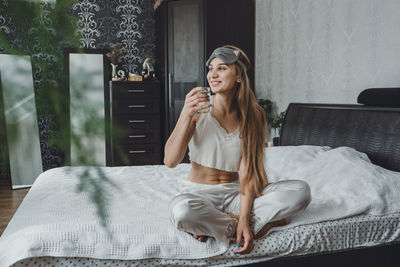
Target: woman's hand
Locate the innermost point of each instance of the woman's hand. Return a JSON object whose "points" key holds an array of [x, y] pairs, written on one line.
{"points": [[193, 98], [244, 235]]}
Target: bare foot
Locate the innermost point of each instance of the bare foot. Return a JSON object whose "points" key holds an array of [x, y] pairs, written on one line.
{"points": [[201, 238], [269, 226]]}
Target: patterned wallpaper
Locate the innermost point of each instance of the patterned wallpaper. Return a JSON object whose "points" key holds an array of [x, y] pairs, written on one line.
{"points": [[100, 23], [325, 51], [130, 22]]}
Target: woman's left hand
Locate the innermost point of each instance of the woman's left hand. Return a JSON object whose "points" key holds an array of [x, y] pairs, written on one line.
{"points": [[244, 235]]}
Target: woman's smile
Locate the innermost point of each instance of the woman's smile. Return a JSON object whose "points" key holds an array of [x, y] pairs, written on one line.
{"points": [[214, 83]]}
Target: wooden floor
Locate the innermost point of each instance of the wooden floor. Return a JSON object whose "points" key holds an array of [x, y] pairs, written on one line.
{"points": [[9, 202]]}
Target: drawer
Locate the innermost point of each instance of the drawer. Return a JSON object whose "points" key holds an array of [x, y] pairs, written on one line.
{"points": [[137, 136], [138, 121], [135, 90], [140, 154], [136, 106]]}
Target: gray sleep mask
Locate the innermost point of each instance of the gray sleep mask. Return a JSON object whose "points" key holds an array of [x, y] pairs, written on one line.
{"points": [[227, 55]]}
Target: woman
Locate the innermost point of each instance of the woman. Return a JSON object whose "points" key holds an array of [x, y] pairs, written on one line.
{"points": [[226, 149]]}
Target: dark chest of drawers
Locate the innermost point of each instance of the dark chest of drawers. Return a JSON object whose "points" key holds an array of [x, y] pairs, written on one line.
{"points": [[135, 123]]}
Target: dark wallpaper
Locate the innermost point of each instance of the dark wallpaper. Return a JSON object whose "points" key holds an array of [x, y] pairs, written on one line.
{"points": [[100, 23]]}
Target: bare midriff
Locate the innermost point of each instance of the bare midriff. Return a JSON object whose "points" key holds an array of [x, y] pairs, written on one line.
{"points": [[204, 175]]}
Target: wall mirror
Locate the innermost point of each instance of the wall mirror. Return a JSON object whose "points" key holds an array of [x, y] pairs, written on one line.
{"points": [[87, 82], [22, 131]]}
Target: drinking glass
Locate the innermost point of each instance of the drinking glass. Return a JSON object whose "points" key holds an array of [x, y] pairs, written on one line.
{"points": [[209, 102]]}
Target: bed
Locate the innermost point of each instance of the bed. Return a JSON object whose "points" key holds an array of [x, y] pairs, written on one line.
{"points": [[349, 154]]}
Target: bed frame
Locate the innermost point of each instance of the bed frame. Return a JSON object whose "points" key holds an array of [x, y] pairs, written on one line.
{"points": [[372, 130]]}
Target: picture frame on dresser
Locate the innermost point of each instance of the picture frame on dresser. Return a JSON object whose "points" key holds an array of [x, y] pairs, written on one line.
{"points": [[87, 75], [135, 123]]}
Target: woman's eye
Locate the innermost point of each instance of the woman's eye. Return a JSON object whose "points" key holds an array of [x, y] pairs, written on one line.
{"points": [[218, 69]]}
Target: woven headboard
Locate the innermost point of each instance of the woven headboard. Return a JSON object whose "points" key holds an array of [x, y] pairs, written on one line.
{"points": [[372, 130]]}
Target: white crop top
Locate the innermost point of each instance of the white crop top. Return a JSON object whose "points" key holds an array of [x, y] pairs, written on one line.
{"points": [[211, 145]]}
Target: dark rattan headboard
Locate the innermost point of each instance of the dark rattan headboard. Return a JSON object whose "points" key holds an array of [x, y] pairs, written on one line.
{"points": [[372, 130]]}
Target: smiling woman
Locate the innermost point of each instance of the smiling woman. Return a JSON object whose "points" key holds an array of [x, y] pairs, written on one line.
{"points": [[226, 150]]}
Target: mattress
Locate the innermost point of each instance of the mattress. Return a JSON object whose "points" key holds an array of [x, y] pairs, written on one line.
{"points": [[337, 235], [55, 220]]}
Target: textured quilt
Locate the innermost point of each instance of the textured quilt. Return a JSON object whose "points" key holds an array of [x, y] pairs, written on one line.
{"points": [[56, 220]]}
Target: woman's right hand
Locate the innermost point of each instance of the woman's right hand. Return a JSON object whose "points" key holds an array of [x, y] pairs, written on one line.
{"points": [[193, 98]]}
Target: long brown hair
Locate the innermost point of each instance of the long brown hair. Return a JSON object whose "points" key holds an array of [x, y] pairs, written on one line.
{"points": [[253, 129]]}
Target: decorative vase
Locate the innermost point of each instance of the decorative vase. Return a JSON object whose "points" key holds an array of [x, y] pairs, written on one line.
{"points": [[114, 71]]}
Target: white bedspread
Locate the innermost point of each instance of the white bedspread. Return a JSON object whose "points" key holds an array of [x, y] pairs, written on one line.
{"points": [[55, 220]]}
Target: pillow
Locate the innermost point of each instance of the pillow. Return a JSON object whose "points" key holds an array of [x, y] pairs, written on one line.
{"points": [[281, 162], [380, 97], [343, 181]]}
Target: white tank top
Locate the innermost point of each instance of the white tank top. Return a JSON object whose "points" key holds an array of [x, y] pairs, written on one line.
{"points": [[211, 145]]}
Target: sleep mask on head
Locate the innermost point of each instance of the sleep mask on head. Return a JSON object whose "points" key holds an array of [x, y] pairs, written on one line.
{"points": [[227, 55]]}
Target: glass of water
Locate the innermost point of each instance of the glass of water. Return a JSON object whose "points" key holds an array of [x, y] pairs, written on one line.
{"points": [[208, 103]]}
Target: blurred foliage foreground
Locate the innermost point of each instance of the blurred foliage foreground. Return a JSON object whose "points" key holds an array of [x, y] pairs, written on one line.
{"points": [[42, 29]]}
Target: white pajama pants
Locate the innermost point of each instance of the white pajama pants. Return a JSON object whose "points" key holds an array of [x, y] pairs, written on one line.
{"points": [[204, 211]]}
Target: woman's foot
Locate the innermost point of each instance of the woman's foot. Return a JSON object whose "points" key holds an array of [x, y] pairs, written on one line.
{"points": [[201, 238], [269, 226]]}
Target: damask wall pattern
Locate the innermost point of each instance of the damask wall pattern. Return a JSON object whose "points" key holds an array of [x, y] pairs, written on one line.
{"points": [[100, 23], [130, 22], [325, 51]]}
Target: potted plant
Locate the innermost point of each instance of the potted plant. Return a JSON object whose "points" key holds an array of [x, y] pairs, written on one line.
{"points": [[276, 124], [274, 121], [267, 104]]}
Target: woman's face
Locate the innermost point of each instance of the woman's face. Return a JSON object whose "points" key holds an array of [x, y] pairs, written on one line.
{"points": [[221, 77]]}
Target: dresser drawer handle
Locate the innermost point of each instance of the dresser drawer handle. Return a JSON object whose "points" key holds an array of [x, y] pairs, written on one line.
{"points": [[135, 91], [137, 121], [137, 151], [137, 106], [138, 136]]}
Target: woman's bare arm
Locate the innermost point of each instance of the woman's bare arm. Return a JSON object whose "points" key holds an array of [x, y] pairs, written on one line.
{"points": [[177, 143], [246, 203]]}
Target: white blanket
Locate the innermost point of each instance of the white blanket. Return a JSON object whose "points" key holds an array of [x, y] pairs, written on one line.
{"points": [[55, 220]]}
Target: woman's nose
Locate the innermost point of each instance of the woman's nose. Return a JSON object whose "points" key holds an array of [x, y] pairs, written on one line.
{"points": [[212, 73]]}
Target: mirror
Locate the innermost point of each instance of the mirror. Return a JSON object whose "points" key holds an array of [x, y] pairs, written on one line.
{"points": [[87, 84], [21, 120]]}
